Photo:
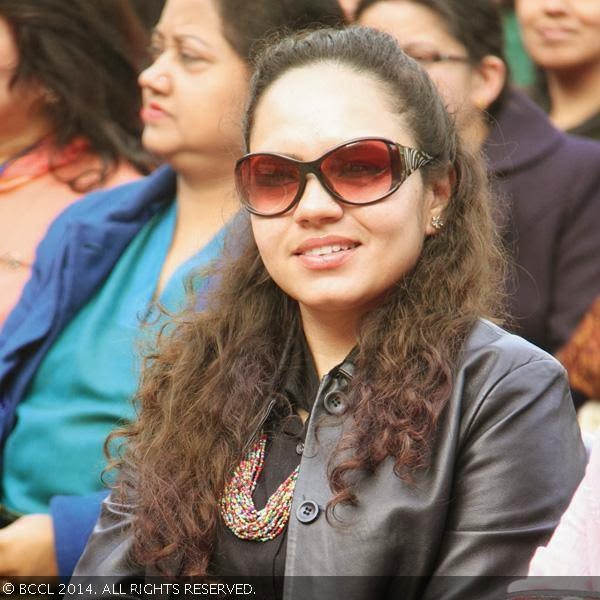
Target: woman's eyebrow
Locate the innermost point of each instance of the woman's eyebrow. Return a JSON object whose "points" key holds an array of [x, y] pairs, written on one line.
{"points": [[196, 39], [182, 37]]}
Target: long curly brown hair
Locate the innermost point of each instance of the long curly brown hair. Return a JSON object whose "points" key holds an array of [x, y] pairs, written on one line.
{"points": [[204, 392]]}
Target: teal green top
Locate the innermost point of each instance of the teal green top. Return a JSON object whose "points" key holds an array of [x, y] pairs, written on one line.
{"points": [[83, 387], [522, 69]]}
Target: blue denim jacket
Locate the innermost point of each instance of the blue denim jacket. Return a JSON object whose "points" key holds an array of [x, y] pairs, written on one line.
{"points": [[74, 258]]}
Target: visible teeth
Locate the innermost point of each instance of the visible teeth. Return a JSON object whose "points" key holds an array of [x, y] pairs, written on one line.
{"points": [[328, 249]]}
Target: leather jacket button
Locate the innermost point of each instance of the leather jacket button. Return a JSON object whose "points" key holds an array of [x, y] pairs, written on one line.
{"points": [[300, 448], [333, 403], [307, 512]]}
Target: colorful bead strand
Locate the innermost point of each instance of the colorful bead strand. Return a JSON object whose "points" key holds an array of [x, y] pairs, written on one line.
{"points": [[237, 507]]}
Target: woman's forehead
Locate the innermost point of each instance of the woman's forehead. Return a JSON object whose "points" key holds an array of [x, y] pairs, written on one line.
{"points": [[327, 102], [409, 22], [189, 17]]}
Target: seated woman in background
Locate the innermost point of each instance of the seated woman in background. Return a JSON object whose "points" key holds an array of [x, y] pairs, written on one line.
{"points": [[563, 39], [69, 117], [343, 376], [68, 349], [547, 183]]}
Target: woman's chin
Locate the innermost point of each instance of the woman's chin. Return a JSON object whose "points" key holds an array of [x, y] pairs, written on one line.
{"points": [[154, 141], [335, 304]]}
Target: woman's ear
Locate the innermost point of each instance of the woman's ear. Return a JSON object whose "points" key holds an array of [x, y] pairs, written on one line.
{"points": [[489, 79], [439, 198]]}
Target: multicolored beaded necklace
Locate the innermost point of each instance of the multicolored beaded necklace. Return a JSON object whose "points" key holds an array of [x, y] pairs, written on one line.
{"points": [[237, 507]]}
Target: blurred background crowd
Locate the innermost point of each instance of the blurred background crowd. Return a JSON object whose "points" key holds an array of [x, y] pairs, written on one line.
{"points": [[523, 85]]}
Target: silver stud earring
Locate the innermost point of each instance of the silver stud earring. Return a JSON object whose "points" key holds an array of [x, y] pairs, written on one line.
{"points": [[437, 222]]}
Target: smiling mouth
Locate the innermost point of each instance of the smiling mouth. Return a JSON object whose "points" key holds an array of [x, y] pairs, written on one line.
{"points": [[555, 33], [329, 249]]}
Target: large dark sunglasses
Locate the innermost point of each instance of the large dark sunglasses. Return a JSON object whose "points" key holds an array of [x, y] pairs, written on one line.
{"points": [[361, 171]]}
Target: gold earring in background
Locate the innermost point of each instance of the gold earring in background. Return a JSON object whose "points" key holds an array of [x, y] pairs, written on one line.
{"points": [[481, 104]]}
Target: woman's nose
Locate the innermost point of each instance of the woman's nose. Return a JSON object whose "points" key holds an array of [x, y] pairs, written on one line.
{"points": [[555, 7], [156, 77], [317, 204]]}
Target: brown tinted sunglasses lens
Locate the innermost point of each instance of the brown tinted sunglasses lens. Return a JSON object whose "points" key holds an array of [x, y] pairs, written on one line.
{"points": [[268, 184], [360, 171]]}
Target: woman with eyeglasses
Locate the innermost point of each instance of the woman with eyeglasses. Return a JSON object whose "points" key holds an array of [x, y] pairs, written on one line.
{"points": [[68, 351], [547, 183], [342, 407]]}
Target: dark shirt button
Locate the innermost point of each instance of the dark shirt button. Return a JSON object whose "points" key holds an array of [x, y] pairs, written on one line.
{"points": [[300, 448], [307, 512], [293, 426], [333, 403]]}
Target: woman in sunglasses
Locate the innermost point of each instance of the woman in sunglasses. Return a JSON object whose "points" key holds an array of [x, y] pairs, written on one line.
{"points": [[68, 352], [342, 408]]}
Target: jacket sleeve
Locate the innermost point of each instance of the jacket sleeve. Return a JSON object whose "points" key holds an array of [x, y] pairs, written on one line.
{"points": [[574, 549], [571, 560], [521, 458], [105, 569], [108, 551], [74, 518]]}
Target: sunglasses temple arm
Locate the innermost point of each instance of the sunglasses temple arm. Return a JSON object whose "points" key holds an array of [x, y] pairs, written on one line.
{"points": [[415, 159]]}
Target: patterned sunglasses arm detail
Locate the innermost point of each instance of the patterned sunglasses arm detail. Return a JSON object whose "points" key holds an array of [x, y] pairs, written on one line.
{"points": [[414, 159]]}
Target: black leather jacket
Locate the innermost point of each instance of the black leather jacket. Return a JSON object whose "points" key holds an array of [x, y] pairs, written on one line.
{"points": [[507, 458]]}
